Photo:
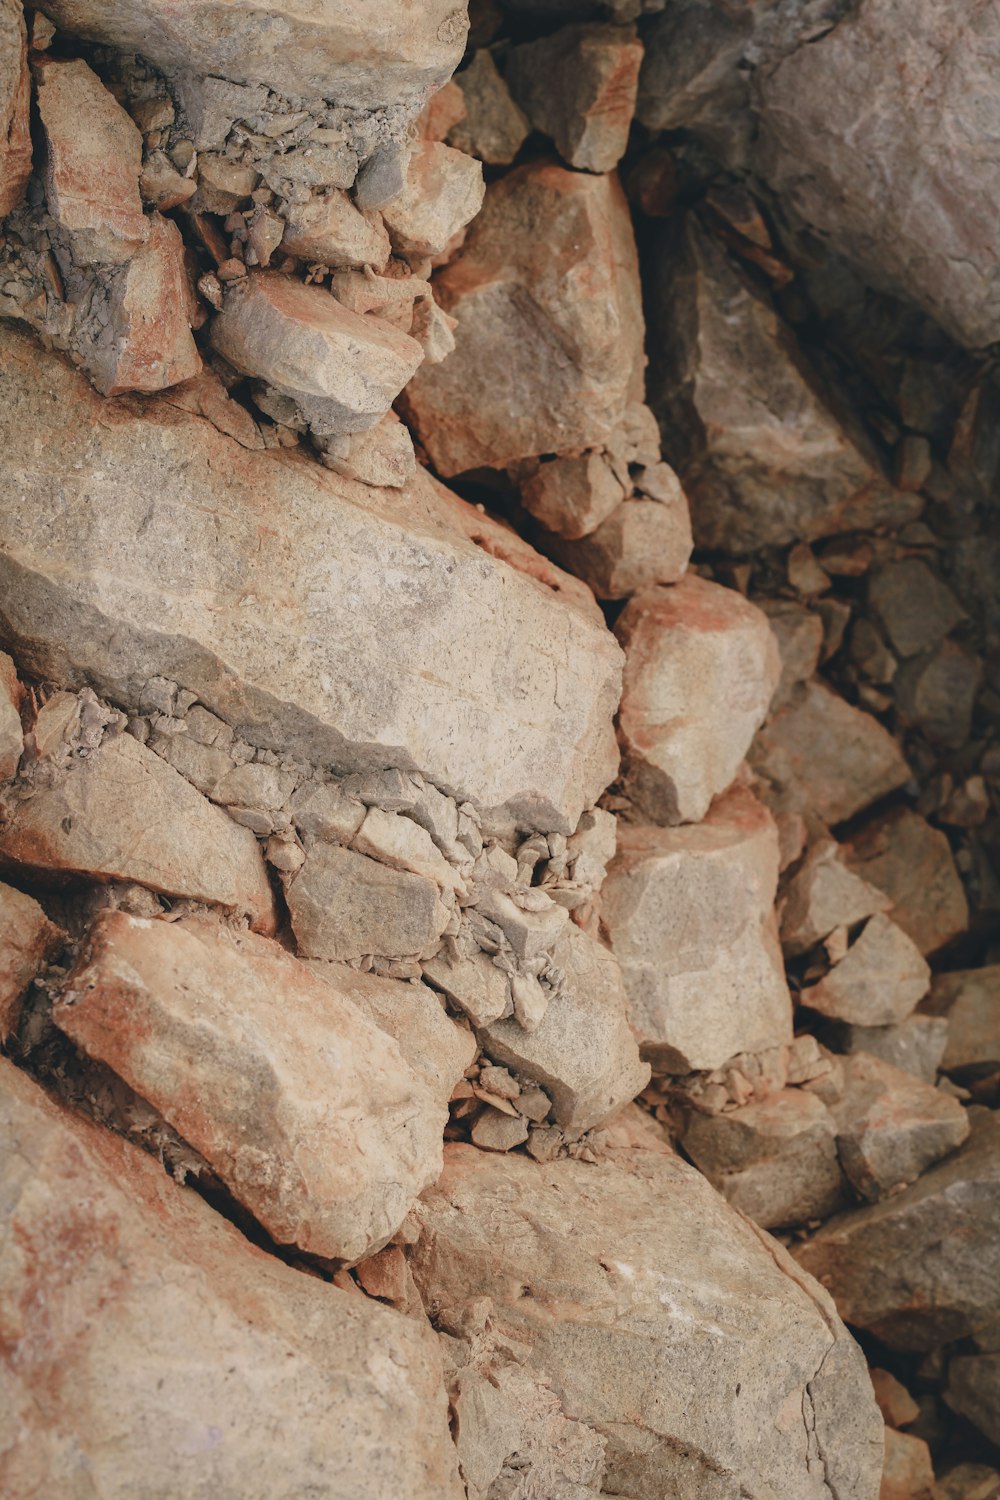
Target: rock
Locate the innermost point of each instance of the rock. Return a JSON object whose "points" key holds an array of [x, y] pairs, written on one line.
{"points": [[382, 178], [970, 1000], [342, 371], [690, 916], [644, 542], [27, 940], [15, 95], [331, 230], [691, 76], [93, 158], [936, 694], [474, 984], [775, 1160], [443, 110], [494, 1130], [579, 87], [606, 1282], [11, 736], [549, 344], [382, 456], [124, 814], [765, 460], [879, 982], [799, 634], [207, 1344], [891, 1126], [582, 1053], [916, 1044], [973, 1391], [823, 756], [914, 607], [920, 1269], [308, 1112], [572, 494], [444, 190], [912, 863], [492, 127], [401, 843], [700, 668], [841, 144], [969, 1482], [346, 906], [897, 1406], [824, 894], [908, 1473], [290, 632]]}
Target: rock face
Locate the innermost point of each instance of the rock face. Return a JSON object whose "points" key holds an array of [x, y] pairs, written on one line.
{"points": [[260, 584], [172, 1351], [15, 138], [537, 368], [264, 1070], [865, 135], [690, 915], [610, 1283]]}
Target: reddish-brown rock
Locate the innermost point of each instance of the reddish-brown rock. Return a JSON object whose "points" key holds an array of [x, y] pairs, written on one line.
{"points": [[908, 1473], [912, 863], [27, 939], [643, 542], [444, 190], [11, 737], [897, 1406], [579, 87], [15, 90]]}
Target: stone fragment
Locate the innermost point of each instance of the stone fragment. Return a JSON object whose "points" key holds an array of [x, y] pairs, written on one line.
{"points": [[308, 1112], [608, 1281], [495, 1131], [799, 634], [323, 810], [572, 494], [891, 1126], [93, 159], [124, 814], [823, 756], [15, 98], [973, 1391], [689, 915], [331, 230], [912, 863], [342, 371], [492, 127], [880, 980], [824, 894], [27, 939], [549, 344], [936, 694], [399, 842], [443, 110], [255, 785], [914, 607], [897, 1406], [969, 1482], [643, 542], [444, 191], [531, 929], [765, 460], [11, 736], [291, 632], [346, 906], [920, 1268], [579, 87], [916, 1044], [908, 1473], [775, 1160], [382, 178], [206, 1348], [474, 984], [382, 456], [582, 1053], [970, 999], [700, 668], [691, 76]]}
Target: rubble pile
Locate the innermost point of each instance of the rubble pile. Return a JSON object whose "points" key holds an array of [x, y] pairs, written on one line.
{"points": [[499, 750]]}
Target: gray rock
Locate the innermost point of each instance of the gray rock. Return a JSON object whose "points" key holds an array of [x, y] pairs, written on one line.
{"points": [[344, 905], [936, 694], [879, 981], [493, 128], [382, 178], [11, 737], [912, 863], [970, 999], [916, 1045], [915, 608], [973, 1391]]}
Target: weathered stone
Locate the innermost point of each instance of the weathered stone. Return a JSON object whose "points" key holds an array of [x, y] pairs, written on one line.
{"points": [[342, 371], [880, 980], [824, 894], [608, 1282], [969, 1482], [689, 914], [907, 1472], [897, 1406], [15, 95], [306, 1110], [914, 607], [912, 863], [124, 814], [579, 86], [916, 1044], [27, 939], [162, 185], [11, 736], [821, 755], [344, 905], [891, 1126], [171, 1350], [764, 459], [691, 76], [973, 1391], [799, 634], [970, 999], [291, 631], [644, 542], [491, 127], [865, 135], [936, 694], [331, 230], [382, 178], [920, 1268], [700, 668], [444, 190], [549, 347], [582, 1053], [382, 456], [93, 158], [474, 984], [442, 111], [494, 1130], [573, 494], [403, 844]]}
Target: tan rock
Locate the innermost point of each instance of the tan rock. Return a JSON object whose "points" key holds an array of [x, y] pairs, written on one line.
{"points": [[880, 980], [494, 1130], [824, 894], [908, 1473], [180, 1349], [799, 634], [331, 230], [401, 843], [970, 999], [162, 185], [308, 1113], [93, 159], [344, 905], [27, 939], [916, 1044], [689, 914], [897, 1406], [579, 87], [912, 863], [474, 984], [124, 814], [11, 737], [644, 542], [444, 191], [549, 347], [573, 494], [15, 95], [490, 126], [381, 456], [700, 668], [443, 110]]}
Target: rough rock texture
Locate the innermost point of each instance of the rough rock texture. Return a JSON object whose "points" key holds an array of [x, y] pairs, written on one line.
{"points": [[912, 863], [492, 127], [907, 1473], [970, 999], [700, 668], [824, 894], [689, 913], [917, 1044], [288, 600], [632, 1289], [174, 1358], [444, 190], [308, 1113], [643, 542], [11, 737], [344, 906], [549, 343], [27, 939], [974, 1391], [879, 981], [15, 85], [331, 230]]}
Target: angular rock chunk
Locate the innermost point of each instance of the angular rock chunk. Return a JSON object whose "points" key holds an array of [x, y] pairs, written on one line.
{"points": [[124, 814], [921, 1268], [912, 863], [15, 95], [936, 693], [491, 127], [290, 632], [917, 1044], [907, 1473], [915, 608], [763, 457], [974, 1391], [307, 1112], [824, 894], [344, 905], [331, 230], [549, 344], [700, 668], [611, 1281], [93, 159], [879, 981], [897, 1406], [690, 916], [970, 998], [342, 371], [579, 86], [799, 634], [11, 736], [27, 939], [444, 190], [474, 984], [865, 134], [572, 495], [642, 543], [203, 1350]]}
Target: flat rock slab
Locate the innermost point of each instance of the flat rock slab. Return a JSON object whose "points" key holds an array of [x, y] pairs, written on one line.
{"points": [[306, 1110], [150, 1351], [647, 1304], [352, 627]]}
